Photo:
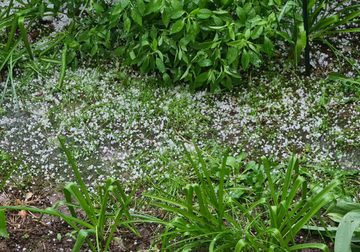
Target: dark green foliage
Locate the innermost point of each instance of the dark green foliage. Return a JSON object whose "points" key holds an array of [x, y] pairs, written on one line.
{"points": [[199, 42]]}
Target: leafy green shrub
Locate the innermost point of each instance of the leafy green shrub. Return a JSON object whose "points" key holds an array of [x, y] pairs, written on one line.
{"points": [[199, 42], [202, 221], [111, 193]]}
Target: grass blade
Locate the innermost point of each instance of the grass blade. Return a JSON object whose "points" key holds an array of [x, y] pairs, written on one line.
{"points": [[3, 231]]}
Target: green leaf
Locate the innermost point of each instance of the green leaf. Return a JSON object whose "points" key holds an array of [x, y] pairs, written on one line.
{"points": [[41, 10], [140, 6], [257, 32], [166, 16], [154, 44], [176, 5], [247, 7], [177, 14], [166, 78], [153, 32], [254, 58], [3, 232], [196, 27], [232, 54], [268, 46], [298, 50], [245, 59], [98, 7], [144, 65], [325, 23], [127, 24], [205, 62], [153, 6], [202, 3], [70, 56], [124, 3], [94, 50], [120, 50], [202, 77], [83, 36], [302, 35], [160, 65], [136, 16], [238, 43], [285, 36], [240, 12], [204, 13], [231, 33], [117, 9], [247, 34], [177, 27]]}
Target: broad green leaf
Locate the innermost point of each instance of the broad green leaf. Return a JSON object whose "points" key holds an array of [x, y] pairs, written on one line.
{"points": [[154, 44], [117, 9], [232, 54], [153, 32], [205, 62], [257, 32], [204, 13], [254, 58], [132, 55], [153, 6], [176, 5], [177, 27], [247, 7], [218, 21], [245, 59], [120, 50], [202, 77], [166, 78], [136, 16], [177, 14], [268, 46], [140, 6], [285, 36], [94, 50], [98, 7], [70, 56], [124, 3], [240, 12], [160, 65], [83, 36], [247, 34], [196, 27], [202, 3], [127, 24], [287, 7], [166, 16]]}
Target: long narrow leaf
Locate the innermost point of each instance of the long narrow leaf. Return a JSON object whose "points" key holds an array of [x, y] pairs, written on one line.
{"points": [[24, 36]]}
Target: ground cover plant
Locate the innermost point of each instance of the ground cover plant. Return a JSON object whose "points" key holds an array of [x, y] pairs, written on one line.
{"points": [[135, 127]]}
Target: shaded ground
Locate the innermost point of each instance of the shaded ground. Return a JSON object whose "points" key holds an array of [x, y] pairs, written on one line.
{"points": [[28, 233]]}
